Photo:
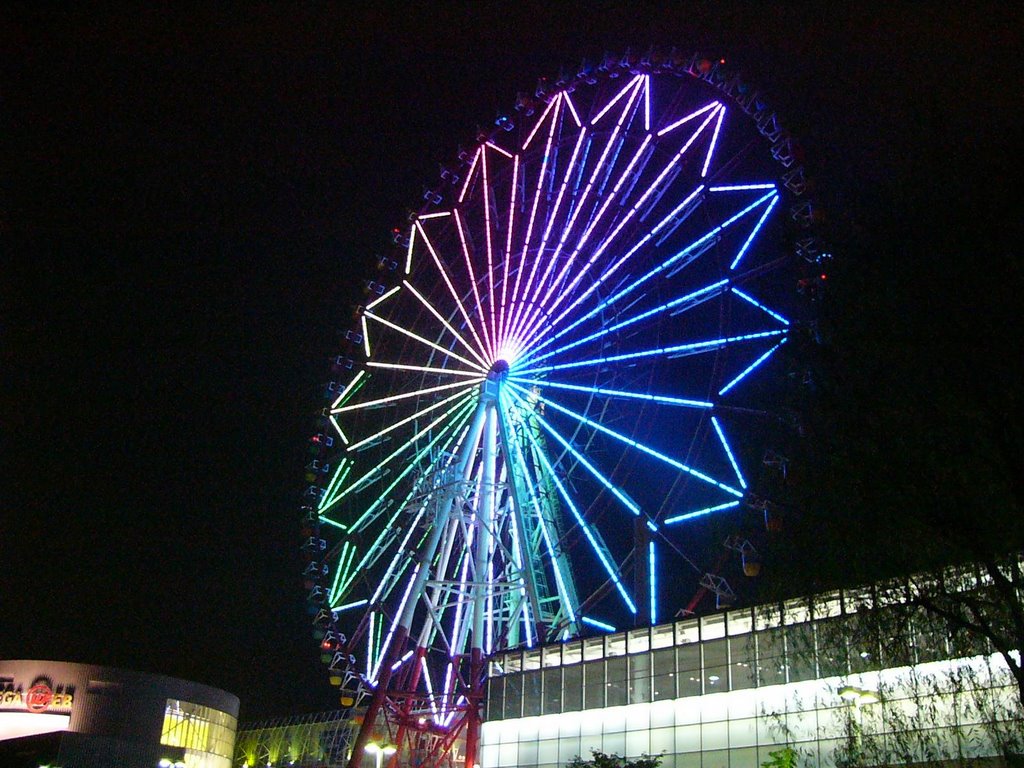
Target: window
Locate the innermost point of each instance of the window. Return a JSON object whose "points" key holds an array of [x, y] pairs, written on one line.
{"points": [[716, 666], [639, 678], [531, 693], [199, 729], [742, 661], [572, 688], [552, 691], [513, 695], [615, 682], [593, 685], [688, 664], [495, 698], [771, 657], [664, 678]]}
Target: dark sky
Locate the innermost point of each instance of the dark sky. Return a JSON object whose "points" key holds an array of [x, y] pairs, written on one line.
{"points": [[189, 201]]}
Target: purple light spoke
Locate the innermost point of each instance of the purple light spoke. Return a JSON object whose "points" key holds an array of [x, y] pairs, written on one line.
{"points": [[525, 246], [472, 280], [532, 309], [622, 223], [572, 109], [615, 100], [508, 247], [469, 173], [451, 290], [540, 121], [714, 142], [688, 118]]}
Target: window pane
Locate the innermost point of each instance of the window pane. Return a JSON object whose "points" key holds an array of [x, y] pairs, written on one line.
{"points": [[615, 682], [639, 678], [552, 691], [572, 688], [688, 657], [741, 661], [800, 653], [495, 698], [513, 695], [531, 694], [771, 661], [593, 685], [716, 666]]}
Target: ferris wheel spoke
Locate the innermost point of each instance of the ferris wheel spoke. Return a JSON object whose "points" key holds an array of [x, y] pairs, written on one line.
{"points": [[448, 326], [412, 417], [597, 426], [677, 306], [675, 350], [556, 208], [728, 452], [538, 194], [376, 471], [599, 168], [421, 340], [539, 306], [491, 306], [651, 190], [451, 290], [615, 490], [614, 393], [473, 282], [598, 546], [525, 245], [675, 262], [405, 396], [750, 368], [510, 227]]}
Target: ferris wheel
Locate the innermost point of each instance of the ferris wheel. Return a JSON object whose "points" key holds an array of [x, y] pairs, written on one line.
{"points": [[566, 362]]}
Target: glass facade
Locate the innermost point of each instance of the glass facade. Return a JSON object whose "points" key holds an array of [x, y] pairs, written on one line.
{"points": [[207, 735], [722, 691]]}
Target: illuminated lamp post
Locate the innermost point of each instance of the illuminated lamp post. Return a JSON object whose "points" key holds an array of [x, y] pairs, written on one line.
{"points": [[379, 752]]}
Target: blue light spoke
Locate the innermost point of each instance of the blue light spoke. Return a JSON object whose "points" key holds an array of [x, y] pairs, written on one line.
{"points": [[653, 582], [690, 251], [760, 306], [694, 347], [615, 393], [692, 299], [750, 238], [611, 487], [750, 368], [701, 512], [632, 443], [728, 451], [598, 547], [597, 624]]}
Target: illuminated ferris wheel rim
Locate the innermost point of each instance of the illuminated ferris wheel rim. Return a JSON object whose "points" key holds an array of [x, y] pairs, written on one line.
{"points": [[518, 368]]}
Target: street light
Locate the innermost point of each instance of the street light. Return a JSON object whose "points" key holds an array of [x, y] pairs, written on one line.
{"points": [[380, 752], [858, 696]]}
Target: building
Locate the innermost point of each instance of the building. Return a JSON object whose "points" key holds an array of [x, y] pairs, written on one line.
{"points": [[726, 690], [56, 713]]}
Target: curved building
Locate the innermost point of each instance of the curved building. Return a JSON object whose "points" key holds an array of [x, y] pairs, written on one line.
{"points": [[81, 716]]}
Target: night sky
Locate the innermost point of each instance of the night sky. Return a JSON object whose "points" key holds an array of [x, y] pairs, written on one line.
{"points": [[190, 201]]}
